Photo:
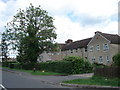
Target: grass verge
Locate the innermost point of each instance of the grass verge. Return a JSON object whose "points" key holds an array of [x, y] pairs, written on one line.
{"points": [[96, 80], [38, 72]]}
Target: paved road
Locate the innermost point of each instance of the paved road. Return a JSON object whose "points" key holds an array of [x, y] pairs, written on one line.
{"points": [[24, 80], [12, 80]]}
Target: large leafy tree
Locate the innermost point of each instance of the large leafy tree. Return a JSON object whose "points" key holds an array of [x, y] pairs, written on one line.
{"points": [[4, 48], [31, 32]]}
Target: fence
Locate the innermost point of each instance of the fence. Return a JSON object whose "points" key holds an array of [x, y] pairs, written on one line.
{"points": [[108, 72]]}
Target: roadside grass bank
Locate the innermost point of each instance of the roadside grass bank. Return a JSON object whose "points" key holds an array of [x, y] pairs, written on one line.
{"points": [[47, 73], [96, 80]]}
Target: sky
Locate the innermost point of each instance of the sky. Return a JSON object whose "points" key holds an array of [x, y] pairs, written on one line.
{"points": [[74, 19]]}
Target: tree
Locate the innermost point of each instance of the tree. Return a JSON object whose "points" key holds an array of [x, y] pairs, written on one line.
{"points": [[31, 32], [4, 48], [116, 59]]}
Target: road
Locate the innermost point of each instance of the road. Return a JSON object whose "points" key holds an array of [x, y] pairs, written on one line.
{"points": [[12, 80], [26, 81]]}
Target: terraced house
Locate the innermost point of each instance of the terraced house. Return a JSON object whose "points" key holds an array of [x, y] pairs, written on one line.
{"points": [[100, 49]]}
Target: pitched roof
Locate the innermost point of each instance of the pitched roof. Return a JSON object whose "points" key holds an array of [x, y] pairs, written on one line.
{"points": [[77, 44], [114, 38], [61, 45]]}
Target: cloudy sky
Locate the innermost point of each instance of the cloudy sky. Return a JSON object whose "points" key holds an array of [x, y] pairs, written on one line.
{"points": [[74, 19]]}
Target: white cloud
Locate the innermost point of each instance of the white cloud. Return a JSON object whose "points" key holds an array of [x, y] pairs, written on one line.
{"points": [[94, 14]]}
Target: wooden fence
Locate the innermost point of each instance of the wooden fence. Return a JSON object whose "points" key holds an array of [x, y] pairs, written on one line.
{"points": [[108, 72]]}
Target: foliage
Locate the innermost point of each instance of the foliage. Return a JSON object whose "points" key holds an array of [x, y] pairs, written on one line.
{"points": [[56, 66], [79, 64], [31, 32], [116, 60], [4, 48], [7, 64], [98, 65]]}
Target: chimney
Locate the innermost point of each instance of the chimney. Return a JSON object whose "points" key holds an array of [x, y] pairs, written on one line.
{"points": [[68, 41], [97, 32]]}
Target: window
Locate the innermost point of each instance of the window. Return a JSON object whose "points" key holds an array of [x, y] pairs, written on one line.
{"points": [[105, 47], [85, 49], [93, 59], [100, 59], [108, 59], [76, 50], [91, 48], [71, 51], [58, 54], [98, 47]]}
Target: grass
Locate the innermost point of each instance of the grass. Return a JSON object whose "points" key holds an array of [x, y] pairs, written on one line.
{"points": [[96, 80], [37, 72], [46, 73]]}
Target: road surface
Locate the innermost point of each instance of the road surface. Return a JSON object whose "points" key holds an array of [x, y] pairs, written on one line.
{"points": [[26, 81]]}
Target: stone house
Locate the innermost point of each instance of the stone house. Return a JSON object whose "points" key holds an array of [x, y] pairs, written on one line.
{"points": [[103, 47], [100, 49]]}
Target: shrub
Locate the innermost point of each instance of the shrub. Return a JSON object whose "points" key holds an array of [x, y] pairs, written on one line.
{"points": [[98, 65], [79, 64], [7, 64], [28, 66], [55, 66], [116, 60]]}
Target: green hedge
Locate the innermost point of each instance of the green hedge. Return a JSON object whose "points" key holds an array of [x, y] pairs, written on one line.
{"points": [[116, 59], [80, 65], [7, 64], [56, 66], [69, 65]]}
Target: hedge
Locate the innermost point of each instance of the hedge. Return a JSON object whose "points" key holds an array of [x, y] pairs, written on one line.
{"points": [[56, 66], [69, 65], [116, 59], [80, 65]]}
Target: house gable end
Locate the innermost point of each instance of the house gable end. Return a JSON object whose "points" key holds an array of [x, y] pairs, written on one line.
{"points": [[95, 36]]}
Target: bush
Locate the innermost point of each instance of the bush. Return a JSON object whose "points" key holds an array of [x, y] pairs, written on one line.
{"points": [[28, 66], [55, 66], [98, 65], [7, 64], [79, 65], [116, 60]]}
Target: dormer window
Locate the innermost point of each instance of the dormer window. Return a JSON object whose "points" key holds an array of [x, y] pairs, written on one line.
{"points": [[105, 47], [91, 49]]}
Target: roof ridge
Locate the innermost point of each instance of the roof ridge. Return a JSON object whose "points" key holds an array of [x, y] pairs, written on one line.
{"points": [[83, 39], [110, 34]]}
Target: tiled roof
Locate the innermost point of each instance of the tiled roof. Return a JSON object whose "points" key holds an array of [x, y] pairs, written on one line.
{"points": [[61, 45], [77, 44], [114, 38]]}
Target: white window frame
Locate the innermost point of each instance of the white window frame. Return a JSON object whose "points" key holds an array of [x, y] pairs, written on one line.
{"points": [[71, 51], [105, 47], [108, 59], [91, 48], [100, 59], [98, 47], [93, 58]]}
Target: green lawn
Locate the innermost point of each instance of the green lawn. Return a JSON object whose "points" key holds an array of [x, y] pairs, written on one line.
{"points": [[95, 80], [38, 72], [46, 73]]}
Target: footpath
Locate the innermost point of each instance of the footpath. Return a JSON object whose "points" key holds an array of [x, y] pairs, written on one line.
{"points": [[58, 79]]}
